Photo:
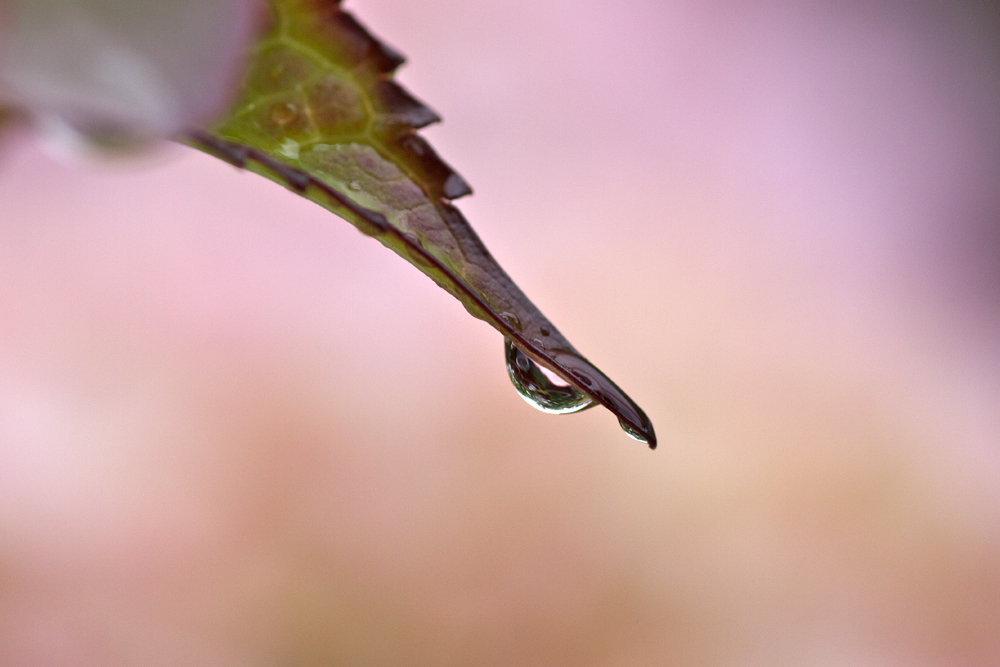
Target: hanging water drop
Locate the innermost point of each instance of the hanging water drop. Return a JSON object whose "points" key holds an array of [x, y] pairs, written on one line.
{"points": [[538, 389]]}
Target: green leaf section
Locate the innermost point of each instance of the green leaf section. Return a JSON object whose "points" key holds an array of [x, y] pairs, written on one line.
{"points": [[319, 112]]}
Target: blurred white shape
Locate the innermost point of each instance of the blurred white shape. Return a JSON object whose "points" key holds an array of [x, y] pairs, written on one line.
{"points": [[122, 70]]}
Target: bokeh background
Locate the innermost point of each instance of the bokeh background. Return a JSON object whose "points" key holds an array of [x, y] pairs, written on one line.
{"points": [[234, 431]]}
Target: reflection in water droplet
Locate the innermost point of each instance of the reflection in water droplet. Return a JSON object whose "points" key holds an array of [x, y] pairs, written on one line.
{"points": [[539, 390]]}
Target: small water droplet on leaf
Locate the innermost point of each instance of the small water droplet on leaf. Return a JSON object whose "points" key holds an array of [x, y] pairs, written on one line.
{"points": [[511, 319], [537, 389], [633, 433]]}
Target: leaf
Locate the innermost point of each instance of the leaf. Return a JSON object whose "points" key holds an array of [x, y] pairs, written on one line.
{"points": [[319, 112]]}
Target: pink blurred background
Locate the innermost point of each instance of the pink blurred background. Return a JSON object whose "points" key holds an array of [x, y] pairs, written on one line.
{"points": [[234, 431]]}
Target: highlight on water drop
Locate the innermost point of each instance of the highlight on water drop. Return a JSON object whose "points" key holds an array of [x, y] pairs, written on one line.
{"points": [[538, 389]]}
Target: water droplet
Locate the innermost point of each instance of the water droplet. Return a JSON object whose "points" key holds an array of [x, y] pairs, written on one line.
{"points": [[537, 389], [634, 433], [354, 185], [511, 319]]}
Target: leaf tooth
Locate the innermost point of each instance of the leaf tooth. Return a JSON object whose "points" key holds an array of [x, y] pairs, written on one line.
{"points": [[383, 57], [341, 37], [434, 172], [401, 106], [455, 186], [390, 58]]}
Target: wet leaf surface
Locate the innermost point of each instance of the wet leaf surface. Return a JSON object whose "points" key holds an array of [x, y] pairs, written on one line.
{"points": [[320, 113]]}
